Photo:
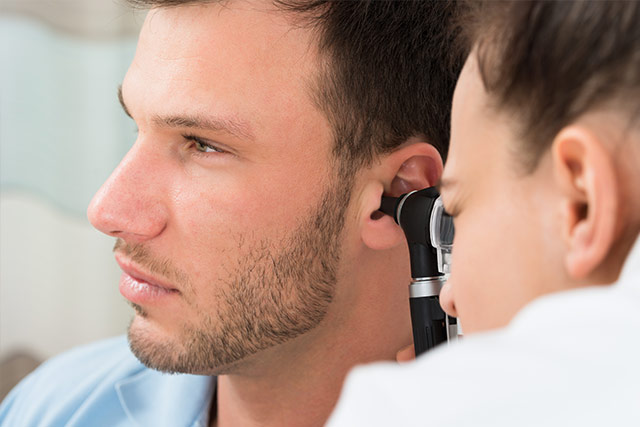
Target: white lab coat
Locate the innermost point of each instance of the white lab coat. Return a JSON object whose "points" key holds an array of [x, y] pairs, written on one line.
{"points": [[567, 359]]}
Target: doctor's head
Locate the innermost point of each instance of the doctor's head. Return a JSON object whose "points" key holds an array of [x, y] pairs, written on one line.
{"points": [[267, 132], [543, 174]]}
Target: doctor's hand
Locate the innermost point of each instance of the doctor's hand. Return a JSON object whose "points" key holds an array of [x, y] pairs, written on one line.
{"points": [[407, 354]]}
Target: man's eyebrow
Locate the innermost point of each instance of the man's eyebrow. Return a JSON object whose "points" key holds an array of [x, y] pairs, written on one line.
{"points": [[233, 127], [236, 128]]}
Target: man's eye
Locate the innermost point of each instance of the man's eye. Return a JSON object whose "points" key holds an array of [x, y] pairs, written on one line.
{"points": [[201, 146], [205, 148]]}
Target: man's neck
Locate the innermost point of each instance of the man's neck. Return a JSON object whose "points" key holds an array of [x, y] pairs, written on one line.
{"points": [[301, 401], [294, 392], [298, 383]]}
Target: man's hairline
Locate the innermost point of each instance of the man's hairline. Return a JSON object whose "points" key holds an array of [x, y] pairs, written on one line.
{"points": [[313, 84]]}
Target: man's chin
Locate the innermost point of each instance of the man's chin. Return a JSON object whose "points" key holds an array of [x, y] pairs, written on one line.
{"points": [[149, 349], [160, 351]]}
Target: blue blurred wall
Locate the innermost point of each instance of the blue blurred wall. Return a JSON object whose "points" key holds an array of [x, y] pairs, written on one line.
{"points": [[62, 132]]}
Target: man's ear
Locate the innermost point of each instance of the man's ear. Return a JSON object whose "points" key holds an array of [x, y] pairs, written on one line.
{"points": [[585, 170], [413, 166]]}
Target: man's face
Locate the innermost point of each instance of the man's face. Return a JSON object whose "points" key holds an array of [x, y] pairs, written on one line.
{"points": [[227, 200], [507, 230]]}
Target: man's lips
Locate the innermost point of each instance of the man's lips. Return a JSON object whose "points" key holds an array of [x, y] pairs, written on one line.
{"points": [[141, 288], [128, 268]]}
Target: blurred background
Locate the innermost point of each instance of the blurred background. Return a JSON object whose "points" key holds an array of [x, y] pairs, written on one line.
{"points": [[62, 132]]}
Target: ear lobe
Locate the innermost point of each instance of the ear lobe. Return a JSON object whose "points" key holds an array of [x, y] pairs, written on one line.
{"points": [[585, 171], [381, 232]]}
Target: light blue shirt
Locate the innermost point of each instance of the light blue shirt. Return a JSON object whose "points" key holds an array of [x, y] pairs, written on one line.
{"points": [[103, 384]]}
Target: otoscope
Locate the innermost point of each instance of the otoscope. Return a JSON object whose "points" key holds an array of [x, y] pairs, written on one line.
{"points": [[429, 232]]}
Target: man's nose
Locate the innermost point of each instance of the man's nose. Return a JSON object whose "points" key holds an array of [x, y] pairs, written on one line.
{"points": [[130, 204]]}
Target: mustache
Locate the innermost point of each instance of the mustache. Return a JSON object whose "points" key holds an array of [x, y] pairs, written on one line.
{"points": [[155, 265]]}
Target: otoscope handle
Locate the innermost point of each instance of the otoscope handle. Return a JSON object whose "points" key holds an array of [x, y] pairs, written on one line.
{"points": [[428, 320]]}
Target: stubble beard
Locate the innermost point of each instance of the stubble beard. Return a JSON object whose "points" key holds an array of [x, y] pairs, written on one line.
{"points": [[277, 292]]}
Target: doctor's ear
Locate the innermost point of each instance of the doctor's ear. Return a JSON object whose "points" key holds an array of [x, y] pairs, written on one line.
{"points": [[413, 166], [585, 170]]}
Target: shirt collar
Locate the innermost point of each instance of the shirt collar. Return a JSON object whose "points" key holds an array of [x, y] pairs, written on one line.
{"points": [[154, 398]]}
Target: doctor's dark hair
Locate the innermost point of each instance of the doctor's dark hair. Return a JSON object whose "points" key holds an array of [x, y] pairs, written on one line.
{"points": [[386, 71], [550, 62]]}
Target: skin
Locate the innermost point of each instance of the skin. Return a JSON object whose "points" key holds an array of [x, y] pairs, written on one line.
{"points": [[217, 225], [568, 224]]}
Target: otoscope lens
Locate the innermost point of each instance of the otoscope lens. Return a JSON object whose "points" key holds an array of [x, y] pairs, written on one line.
{"points": [[446, 230], [441, 224]]}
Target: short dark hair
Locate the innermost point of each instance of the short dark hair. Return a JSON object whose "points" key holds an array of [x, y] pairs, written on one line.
{"points": [[389, 75], [550, 62]]}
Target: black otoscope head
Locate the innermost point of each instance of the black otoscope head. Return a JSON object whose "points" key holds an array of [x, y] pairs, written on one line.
{"points": [[412, 211], [421, 216]]}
